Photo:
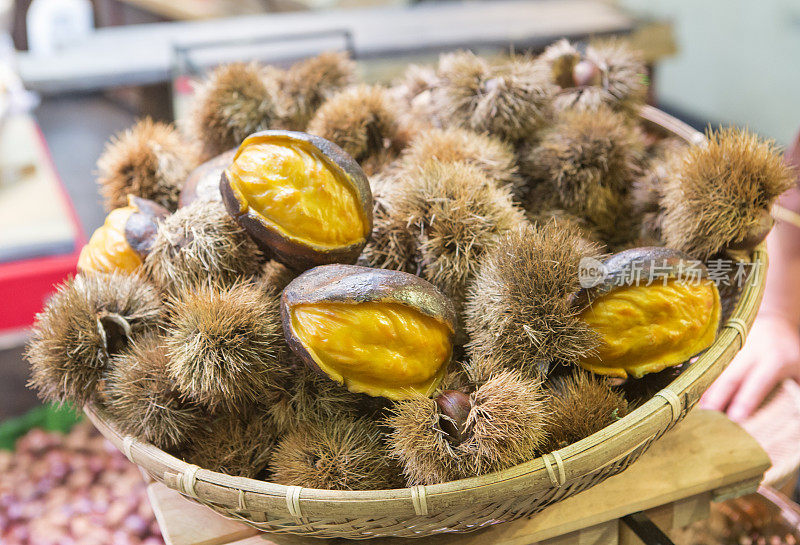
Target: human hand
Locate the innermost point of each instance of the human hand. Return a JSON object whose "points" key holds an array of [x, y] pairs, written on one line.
{"points": [[770, 355]]}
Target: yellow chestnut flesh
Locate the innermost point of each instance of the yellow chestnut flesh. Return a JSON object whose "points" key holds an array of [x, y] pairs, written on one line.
{"points": [[645, 329], [294, 188], [108, 249], [380, 349]]}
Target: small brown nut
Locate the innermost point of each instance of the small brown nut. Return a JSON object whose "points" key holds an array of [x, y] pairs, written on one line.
{"points": [[654, 308], [586, 73], [203, 182], [302, 198], [755, 235], [379, 332], [124, 239], [454, 407]]}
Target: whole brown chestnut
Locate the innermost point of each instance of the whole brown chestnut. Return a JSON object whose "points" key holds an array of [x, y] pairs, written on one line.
{"points": [[652, 308], [202, 184], [124, 239], [379, 332], [300, 197]]}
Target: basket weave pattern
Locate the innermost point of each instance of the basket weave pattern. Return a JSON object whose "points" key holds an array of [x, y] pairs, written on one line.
{"points": [[467, 504]]}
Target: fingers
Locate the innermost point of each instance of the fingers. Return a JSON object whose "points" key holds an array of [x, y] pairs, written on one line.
{"points": [[755, 387], [722, 391]]}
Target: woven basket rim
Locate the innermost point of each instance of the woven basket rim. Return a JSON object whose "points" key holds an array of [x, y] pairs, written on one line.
{"points": [[554, 469]]}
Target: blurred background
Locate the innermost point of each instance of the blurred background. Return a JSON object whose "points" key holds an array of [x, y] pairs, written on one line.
{"points": [[74, 72]]}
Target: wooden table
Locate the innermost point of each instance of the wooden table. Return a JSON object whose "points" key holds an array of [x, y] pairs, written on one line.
{"points": [[706, 458]]}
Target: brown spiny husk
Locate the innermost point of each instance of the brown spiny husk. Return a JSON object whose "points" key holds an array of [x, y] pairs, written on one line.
{"points": [[495, 158], [365, 122], [456, 214], [505, 426], [414, 91], [718, 194], [587, 231], [276, 275], [150, 160], [88, 320], [647, 188], [306, 395], [310, 82], [225, 344], [416, 80], [235, 101], [581, 404], [143, 399], [622, 75], [590, 160], [559, 59], [201, 243], [517, 313], [235, 444], [334, 454], [511, 99], [507, 421], [392, 245], [423, 449]]}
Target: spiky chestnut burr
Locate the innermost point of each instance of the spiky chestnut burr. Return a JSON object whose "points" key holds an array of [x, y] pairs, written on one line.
{"points": [[225, 344], [517, 312], [495, 158], [309, 83], [581, 404], [307, 395], [88, 320], [201, 243], [235, 101], [366, 122], [511, 99], [456, 214], [456, 436], [149, 160], [606, 72], [719, 196], [589, 159], [143, 399], [235, 444], [338, 454]]}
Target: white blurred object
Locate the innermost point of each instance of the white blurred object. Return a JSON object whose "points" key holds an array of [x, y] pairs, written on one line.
{"points": [[54, 24], [14, 98]]}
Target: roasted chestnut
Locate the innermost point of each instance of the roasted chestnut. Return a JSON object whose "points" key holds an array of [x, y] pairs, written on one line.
{"points": [[654, 308], [124, 239], [202, 184], [302, 198], [379, 332]]}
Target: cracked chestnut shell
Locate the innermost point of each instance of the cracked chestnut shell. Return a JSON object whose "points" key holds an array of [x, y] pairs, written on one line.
{"points": [[203, 182], [654, 308], [302, 198], [379, 332], [124, 239]]}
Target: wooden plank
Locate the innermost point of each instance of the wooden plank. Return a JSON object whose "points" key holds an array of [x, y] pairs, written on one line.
{"points": [[705, 453], [602, 534], [670, 517], [184, 522], [142, 54]]}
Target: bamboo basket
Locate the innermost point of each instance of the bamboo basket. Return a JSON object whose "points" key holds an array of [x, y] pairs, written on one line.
{"points": [[468, 504]]}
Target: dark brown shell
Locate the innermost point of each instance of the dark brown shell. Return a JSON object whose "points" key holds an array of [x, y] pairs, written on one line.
{"points": [[650, 261], [293, 253], [755, 235], [354, 284], [142, 225], [203, 182]]}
